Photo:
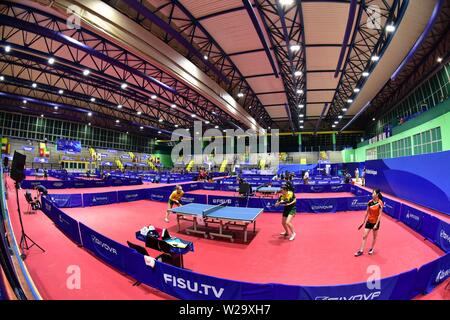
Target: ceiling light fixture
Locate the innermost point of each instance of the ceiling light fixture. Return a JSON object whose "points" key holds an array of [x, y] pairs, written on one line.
{"points": [[295, 47], [390, 28]]}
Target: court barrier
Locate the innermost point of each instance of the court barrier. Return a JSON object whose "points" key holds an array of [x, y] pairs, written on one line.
{"points": [[186, 284], [162, 194], [66, 184], [429, 226], [298, 188]]}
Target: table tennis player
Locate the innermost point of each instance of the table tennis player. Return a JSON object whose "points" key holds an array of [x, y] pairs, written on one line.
{"points": [[287, 198], [174, 199]]}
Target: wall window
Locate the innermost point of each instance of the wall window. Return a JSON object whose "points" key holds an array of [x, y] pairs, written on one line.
{"points": [[384, 151], [371, 154], [428, 141], [402, 148], [36, 128]]}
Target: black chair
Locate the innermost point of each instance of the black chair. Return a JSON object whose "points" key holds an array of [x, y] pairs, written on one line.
{"points": [[175, 259], [32, 204], [154, 243], [143, 251], [138, 248]]}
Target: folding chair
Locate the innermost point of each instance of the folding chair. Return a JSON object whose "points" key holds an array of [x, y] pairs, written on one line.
{"points": [[31, 203]]}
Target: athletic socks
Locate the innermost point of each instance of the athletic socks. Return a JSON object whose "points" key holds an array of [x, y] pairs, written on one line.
{"points": [[292, 236]]}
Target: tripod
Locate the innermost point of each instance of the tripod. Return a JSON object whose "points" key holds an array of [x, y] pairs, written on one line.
{"points": [[23, 239]]}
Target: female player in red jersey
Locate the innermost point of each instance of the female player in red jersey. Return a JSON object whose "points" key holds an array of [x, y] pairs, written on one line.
{"points": [[372, 221]]}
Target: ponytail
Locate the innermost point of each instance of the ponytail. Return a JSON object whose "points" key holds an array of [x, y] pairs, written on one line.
{"points": [[379, 195]]}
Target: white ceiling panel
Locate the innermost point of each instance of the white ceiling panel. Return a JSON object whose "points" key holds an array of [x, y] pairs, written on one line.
{"points": [[234, 32], [277, 112], [252, 63], [325, 22], [200, 8], [276, 98], [314, 110], [322, 58], [319, 96], [266, 84], [322, 80]]}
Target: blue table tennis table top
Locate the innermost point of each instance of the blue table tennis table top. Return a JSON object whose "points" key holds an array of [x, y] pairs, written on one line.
{"points": [[231, 213]]}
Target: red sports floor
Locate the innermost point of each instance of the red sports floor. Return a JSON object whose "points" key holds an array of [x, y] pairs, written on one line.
{"points": [[322, 253]]}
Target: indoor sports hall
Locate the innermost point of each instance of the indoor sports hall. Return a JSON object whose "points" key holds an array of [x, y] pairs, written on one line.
{"points": [[225, 150]]}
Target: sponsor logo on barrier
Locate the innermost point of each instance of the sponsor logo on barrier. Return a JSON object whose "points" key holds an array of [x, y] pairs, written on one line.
{"points": [[79, 184], [131, 196], [329, 207], [157, 196], [221, 201], [334, 188], [372, 172], [103, 245], [188, 200], [388, 206], [57, 184], [358, 204], [363, 296], [444, 236], [442, 275], [193, 286], [95, 199], [412, 216], [48, 207], [61, 219]]}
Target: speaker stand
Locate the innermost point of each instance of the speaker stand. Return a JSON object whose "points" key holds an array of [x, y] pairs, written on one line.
{"points": [[24, 238]]}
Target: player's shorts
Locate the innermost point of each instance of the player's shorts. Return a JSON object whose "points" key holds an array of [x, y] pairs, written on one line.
{"points": [[372, 225], [289, 212], [172, 203]]}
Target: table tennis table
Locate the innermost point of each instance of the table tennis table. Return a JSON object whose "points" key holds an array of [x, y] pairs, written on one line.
{"points": [[224, 217], [267, 191]]}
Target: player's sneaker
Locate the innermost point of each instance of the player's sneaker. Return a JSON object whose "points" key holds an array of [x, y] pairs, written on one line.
{"points": [[371, 251], [284, 234], [358, 253], [166, 220], [292, 236]]}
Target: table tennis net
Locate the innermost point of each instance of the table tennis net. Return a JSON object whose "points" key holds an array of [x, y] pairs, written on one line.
{"points": [[208, 211]]}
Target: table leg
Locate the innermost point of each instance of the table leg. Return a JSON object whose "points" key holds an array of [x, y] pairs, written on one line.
{"points": [[178, 223], [245, 233]]}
